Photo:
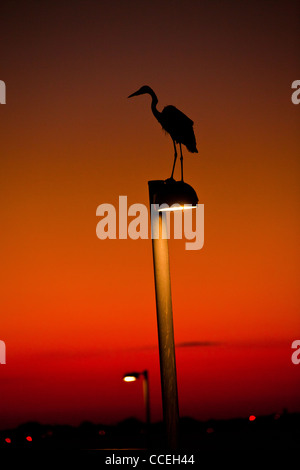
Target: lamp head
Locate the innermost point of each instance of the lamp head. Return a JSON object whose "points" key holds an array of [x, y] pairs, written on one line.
{"points": [[177, 193], [131, 376]]}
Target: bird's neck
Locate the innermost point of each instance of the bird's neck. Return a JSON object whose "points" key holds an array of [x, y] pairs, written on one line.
{"points": [[153, 105]]}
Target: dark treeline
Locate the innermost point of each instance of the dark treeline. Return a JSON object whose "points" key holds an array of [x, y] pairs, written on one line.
{"points": [[277, 431]]}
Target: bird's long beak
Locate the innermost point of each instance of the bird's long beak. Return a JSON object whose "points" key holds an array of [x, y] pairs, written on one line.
{"points": [[134, 94]]}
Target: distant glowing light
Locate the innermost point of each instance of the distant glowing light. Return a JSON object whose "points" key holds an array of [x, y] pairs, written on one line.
{"points": [[101, 432], [129, 378], [8, 440], [29, 438], [252, 418], [209, 430]]}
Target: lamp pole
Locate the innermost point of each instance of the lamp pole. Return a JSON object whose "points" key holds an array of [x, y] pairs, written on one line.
{"points": [[164, 321], [146, 397]]}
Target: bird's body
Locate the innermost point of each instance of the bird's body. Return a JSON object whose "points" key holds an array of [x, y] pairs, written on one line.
{"points": [[179, 126], [175, 123]]}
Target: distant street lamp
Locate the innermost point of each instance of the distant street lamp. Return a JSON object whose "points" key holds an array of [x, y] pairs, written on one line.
{"points": [[132, 377], [182, 194]]}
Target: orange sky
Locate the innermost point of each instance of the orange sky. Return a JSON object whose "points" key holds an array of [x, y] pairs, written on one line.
{"points": [[77, 312]]}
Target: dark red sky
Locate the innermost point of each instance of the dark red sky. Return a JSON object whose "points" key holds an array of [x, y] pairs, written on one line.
{"points": [[77, 312]]}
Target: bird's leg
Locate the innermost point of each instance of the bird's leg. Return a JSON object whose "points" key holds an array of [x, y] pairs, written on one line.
{"points": [[175, 156], [181, 161]]}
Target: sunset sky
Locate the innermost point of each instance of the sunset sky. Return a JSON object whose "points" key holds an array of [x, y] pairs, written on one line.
{"points": [[78, 312]]}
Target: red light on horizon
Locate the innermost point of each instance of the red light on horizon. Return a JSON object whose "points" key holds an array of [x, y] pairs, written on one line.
{"points": [[29, 438], [8, 440], [252, 418]]}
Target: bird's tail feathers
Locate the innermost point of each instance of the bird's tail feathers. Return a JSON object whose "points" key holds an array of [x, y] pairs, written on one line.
{"points": [[192, 147]]}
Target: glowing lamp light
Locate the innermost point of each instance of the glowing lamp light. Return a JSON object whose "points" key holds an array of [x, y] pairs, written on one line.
{"points": [[131, 377], [172, 209], [252, 418], [8, 440], [29, 438]]}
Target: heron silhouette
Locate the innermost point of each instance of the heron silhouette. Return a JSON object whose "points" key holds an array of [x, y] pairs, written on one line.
{"points": [[175, 123]]}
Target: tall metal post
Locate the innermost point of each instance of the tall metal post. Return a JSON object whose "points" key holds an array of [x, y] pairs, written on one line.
{"points": [[164, 322]]}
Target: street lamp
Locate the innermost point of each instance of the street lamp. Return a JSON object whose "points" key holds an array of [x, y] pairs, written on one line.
{"points": [[167, 192], [132, 377], [172, 192]]}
